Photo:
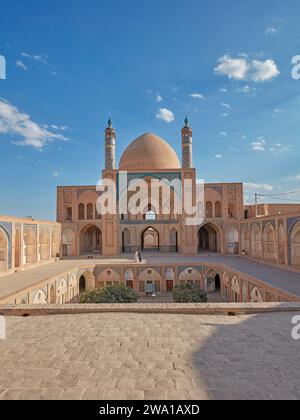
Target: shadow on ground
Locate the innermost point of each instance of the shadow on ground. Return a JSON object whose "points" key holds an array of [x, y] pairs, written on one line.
{"points": [[252, 357]]}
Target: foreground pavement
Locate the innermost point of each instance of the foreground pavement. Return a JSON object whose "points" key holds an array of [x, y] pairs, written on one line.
{"points": [[144, 356]]}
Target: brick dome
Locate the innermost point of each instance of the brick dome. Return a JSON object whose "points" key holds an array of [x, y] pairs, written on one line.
{"points": [[149, 152]]}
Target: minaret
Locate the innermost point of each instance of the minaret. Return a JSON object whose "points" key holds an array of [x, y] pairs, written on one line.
{"points": [[110, 147], [187, 145]]}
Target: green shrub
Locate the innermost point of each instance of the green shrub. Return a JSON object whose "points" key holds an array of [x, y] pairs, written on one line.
{"points": [[189, 293], [110, 294]]}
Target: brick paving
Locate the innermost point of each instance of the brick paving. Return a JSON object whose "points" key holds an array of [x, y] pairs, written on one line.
{"points": [[144, 356]]}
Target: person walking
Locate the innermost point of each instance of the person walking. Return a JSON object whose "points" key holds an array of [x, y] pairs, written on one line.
{"points": [[140, 257]]}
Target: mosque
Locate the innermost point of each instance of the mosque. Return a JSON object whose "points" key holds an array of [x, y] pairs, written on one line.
{"points": [[89, 248], [266, 232]]}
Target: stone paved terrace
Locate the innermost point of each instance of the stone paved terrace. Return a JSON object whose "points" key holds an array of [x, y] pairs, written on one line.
{"points": [[288, 281], [150, 356]]}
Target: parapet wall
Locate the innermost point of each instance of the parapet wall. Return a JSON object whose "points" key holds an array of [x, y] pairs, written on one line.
{"points": [[169, 308]]}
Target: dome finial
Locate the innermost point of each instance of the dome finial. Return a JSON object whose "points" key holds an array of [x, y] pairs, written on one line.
{"points": [[186, 121], [109, 123]]}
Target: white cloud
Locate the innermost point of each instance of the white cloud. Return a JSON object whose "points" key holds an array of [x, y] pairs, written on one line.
{"points": [[258, 187], [297, 177], [259, 145], [219, 156], [223, 90], [234, 68], [196, 96], [58, 127], [264, 70], [224, 115], [223, 133], [242, 69], [226, 105], [279, 148], [166, 115], [158, 98], [20, 126], [20, 64], [272, 30], [56, 174], [248, 90], [39, 58]]}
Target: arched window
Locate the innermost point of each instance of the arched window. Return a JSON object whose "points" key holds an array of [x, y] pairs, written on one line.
{"points": [[81, 215], [170, 275], [150, 215], [218, 209], [98, 216], [90, 211], [126, 245], [209, 210], [173, 238]]}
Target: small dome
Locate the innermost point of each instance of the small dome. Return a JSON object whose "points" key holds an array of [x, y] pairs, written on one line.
{"points": [[149, 152]]}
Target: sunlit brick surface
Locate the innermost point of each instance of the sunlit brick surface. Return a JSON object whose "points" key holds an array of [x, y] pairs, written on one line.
{"points": [[144, 356]]}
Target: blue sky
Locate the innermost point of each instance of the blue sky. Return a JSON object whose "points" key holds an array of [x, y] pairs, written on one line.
{"points": [[71, 64]]}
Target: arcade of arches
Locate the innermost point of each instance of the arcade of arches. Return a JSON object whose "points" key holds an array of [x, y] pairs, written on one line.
{"points": [[159, 279], [25, 243]]}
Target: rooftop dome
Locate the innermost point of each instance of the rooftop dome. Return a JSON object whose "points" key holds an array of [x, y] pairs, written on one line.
{"points": [[149, 152]]}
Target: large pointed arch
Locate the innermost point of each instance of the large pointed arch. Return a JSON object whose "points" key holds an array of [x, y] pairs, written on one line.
{"points": [[44, 244], [270, 243], [30, 249], [232, 240], [209, 238], [256, 242], [68, 243], [150, 239], [90, 240]]}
